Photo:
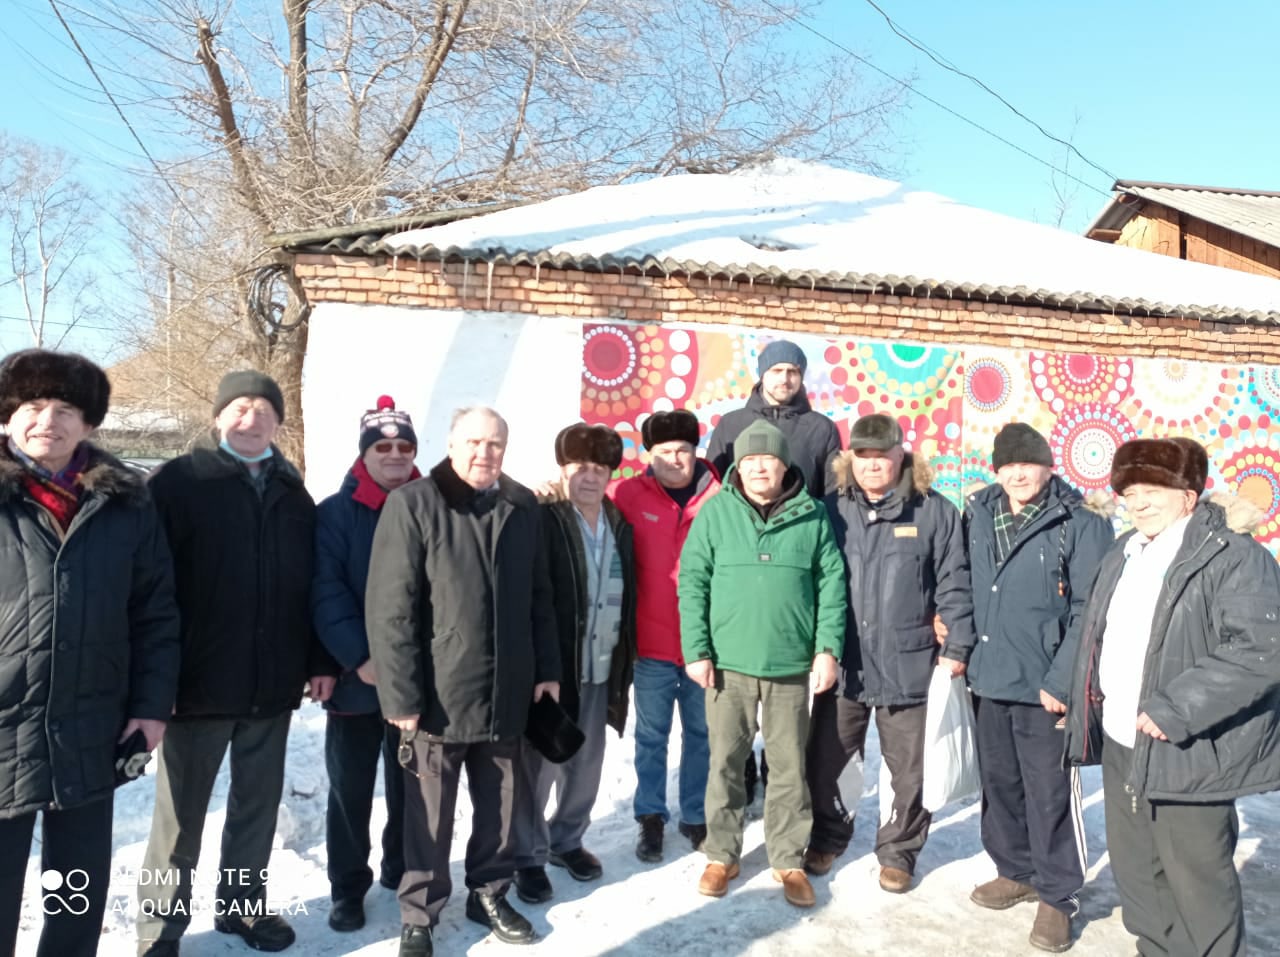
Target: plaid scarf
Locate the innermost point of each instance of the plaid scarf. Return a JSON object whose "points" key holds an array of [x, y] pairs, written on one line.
{"points": [[1008, 525], [58, 492]]}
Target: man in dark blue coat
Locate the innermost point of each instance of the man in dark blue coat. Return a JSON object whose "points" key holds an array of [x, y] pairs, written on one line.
{"points": [[904, 556], [355, 732], [1034, 549]]}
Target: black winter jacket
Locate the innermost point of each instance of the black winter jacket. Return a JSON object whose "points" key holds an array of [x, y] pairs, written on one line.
{"points": [[567, 564], [243, 568], [88, 635], [460, 629], [1211, 681], [1027, 611], [813, 438], [905, 563]]}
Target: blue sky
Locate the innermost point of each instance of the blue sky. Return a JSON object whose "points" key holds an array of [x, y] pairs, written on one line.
{"points": [[1175, 91]]}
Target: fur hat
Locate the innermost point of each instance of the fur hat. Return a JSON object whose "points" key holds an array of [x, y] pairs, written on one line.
{"points": [[875, 431], [778, 352], [42, 374], [252, 384], [589, 443], [1171, 463], [385, 422], [761, 438], [1019, 442], [551, 731], [678, 425]]}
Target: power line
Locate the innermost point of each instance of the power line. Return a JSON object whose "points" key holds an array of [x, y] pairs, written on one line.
{"points": [[65, 325], [947, 65], [928, 99]]}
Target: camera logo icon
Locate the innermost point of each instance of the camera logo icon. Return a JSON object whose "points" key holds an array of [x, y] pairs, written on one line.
{"points": [[64, 893]]}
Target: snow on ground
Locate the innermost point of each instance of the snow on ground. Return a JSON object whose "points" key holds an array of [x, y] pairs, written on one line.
{"points": [[640, 910]]}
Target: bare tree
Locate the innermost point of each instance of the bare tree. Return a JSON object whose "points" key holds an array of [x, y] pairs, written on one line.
{"points": [[324, 112], [47, 221]]}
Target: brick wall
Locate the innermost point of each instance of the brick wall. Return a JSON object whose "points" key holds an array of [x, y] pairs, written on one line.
{"points": [[643, 298]]}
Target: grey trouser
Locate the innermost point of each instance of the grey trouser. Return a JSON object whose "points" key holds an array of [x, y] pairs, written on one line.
{"points": [[731, 729], [430, 802], [190, 757], [577, 783], [1174, 867]]}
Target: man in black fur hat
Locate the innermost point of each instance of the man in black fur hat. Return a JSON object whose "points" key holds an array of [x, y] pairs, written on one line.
{"points": [[592, 565], [462, 634], [88, 642], [1034, 549], [1175, 691], [904, 551]]}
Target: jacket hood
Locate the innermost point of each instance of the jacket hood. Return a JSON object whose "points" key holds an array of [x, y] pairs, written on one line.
{"points": [[1099, 502], [105, 475], [798, 404], [208, 459], [917, 476], [1238, 513]]}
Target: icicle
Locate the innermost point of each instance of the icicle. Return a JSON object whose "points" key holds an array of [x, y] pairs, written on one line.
{"points": [[537, 271], [488, 288], [466, 277]]}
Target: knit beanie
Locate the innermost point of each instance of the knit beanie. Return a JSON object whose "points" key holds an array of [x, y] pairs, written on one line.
{"points": [[41, 374], [1019, 442], [251, 384], [678, 425], [385, 422], [778, 352], [598, 444], [1179, 463], [761, 438]]}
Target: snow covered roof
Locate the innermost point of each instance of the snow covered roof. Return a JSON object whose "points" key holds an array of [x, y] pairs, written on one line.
{"points": [[1252, 213], [794, 223]]}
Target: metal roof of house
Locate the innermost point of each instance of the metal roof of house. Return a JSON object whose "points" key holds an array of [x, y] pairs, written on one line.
{"points": [[1252, 213]]}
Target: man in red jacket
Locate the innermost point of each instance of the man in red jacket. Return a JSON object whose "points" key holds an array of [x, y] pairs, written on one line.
{"points": [[661, 505]]}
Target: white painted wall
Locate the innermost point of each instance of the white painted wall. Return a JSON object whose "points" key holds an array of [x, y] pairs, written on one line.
{"points": [[431, 362]]}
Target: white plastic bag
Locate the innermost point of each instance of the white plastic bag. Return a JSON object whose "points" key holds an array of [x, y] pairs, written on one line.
{"points": [[950, 754]]}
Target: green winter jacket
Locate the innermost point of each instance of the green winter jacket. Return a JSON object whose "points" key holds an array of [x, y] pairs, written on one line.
{"points": [[761, 597]]}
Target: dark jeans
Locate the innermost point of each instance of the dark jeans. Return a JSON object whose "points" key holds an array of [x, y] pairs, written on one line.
{"points": [[1174, 867], [76, 843], [838, 731], [430, 801], [352, 744], [1029, 822]]}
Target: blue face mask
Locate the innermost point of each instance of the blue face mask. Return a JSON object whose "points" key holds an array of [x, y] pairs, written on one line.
{"points": [[261, 457]]}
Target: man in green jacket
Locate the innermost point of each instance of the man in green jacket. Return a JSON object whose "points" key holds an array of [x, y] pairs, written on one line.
{"points": [[762, 619]]}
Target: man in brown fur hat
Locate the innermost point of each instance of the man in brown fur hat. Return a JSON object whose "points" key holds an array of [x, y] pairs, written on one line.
{"points": [[1180, 638], [905, 555]]}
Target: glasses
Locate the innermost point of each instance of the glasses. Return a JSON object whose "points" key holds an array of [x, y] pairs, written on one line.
{"points": [[404, 448]]}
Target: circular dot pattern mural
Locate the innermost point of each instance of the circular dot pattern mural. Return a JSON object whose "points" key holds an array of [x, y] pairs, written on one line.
{"points": [[1173, 395], [1085, 440], [987, 384], [1063, 379], [1252, 473]]}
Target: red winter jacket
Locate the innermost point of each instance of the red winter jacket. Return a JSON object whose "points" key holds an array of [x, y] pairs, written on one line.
{"points": [[660, 527]]}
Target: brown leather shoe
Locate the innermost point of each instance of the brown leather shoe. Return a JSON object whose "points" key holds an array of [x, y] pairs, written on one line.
{"points": [[1052, 930], [1002, 893], [894, 880], [818, 863], [715, 879], [795, 887]]}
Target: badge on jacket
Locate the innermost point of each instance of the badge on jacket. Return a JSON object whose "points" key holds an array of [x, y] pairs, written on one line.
{"points": [[905, 531]]}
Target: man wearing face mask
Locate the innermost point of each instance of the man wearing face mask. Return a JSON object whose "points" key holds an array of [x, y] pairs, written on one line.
{"points": [[905, 561], [355, 733], [1034, 548], [592, 566], [242, 530]]}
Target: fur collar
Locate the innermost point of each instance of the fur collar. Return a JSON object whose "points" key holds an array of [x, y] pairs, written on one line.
{"points": [[458, 494], [105, 475], [916, 477], [1238, 513]]}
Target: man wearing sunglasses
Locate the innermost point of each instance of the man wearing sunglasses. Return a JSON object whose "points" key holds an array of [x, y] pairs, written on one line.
{"points": [[355, 732]]}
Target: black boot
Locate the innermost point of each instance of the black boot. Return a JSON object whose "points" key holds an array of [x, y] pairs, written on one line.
{"points": [[649, 847], [415, 941], [506, 923], [749, 776]]}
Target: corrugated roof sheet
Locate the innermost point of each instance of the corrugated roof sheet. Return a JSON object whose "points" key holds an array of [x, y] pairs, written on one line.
{"points": [[1251, 213]]}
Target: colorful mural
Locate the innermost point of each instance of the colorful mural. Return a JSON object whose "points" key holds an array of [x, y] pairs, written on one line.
{"points": [[951, 402]]}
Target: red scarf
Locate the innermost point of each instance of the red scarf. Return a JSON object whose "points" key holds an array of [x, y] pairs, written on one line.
{"points": [[368, 492], [60, 503]]}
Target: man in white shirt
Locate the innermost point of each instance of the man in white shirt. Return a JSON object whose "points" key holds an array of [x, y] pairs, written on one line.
{"points": [[1176, 686]]}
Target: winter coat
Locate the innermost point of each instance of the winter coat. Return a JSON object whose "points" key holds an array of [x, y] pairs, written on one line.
{"points": [[812, 437], [88, 635], [460, 628], [1027, 610], [760, 596], [660, 528], [243, 568], [345, 522], [567, 566], [1211, 678], [905, 563]]}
